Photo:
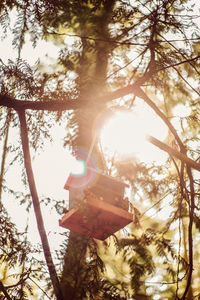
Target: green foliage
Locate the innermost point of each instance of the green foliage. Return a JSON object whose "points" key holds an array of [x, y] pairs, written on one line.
{"points": [[18, 268], [116, 43]]}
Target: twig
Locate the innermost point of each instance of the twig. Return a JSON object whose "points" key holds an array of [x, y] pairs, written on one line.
{"points": [[180, 63], [180, 75], [157, 202], [96, 39], [39, 287], [184, 56]]}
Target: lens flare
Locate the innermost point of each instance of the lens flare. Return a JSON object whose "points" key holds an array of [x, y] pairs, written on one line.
{"points": [[78, 168], [84, 170]]}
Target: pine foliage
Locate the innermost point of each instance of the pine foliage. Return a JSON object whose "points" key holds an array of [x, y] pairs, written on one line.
{"points": [[147, 48]]}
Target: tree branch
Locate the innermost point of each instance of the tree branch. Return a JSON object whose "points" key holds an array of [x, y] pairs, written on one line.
{"points": [[5, 150], [3, 289], [180, 63], [52, 105], [36, 205], [190, 226], [179, 73], [189, 162], [68, 104], [56, 105], [39, 287], [182, 54], [110, 41], [143, 96]]}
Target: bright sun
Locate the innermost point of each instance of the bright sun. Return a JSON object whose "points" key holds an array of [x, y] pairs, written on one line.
{"points": [[125, 135]]}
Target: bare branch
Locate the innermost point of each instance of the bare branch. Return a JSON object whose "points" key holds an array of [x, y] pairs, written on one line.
{"points": [[179, 73], [68, 104], [143, 96], [39, 287], [189, 162], [110, 41], [180, 63]]}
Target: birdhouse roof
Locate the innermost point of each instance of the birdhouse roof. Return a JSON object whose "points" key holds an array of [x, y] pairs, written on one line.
{"points": [[91, 176]]}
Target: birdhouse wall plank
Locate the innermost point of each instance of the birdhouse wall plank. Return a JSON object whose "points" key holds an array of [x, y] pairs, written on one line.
{"points": [[100, 221], [104, 187]]}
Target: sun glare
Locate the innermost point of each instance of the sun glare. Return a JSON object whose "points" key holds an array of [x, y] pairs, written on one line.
{"points": [[125, 135]]}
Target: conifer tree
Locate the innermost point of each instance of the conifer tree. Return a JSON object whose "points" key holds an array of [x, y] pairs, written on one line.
{"points": [[144, 50]]}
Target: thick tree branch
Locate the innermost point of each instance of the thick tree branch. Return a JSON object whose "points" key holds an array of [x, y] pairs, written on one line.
{"points": [[189, 162], [36, 205], [133, 88], [56, 105], [3, 289], [143, 96], [68, 104]]}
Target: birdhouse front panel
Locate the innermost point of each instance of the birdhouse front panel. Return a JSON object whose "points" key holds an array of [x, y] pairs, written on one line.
{"points": [[109, 190], [105, 188], [97, 205]]}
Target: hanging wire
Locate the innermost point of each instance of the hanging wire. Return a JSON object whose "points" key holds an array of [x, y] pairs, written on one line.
{"points": [[91, 148]]}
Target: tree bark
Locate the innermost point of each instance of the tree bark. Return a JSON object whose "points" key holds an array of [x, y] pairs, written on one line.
{"points": [[92, 82]]}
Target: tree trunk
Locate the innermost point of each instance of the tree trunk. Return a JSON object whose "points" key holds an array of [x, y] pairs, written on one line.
{"points": [[92, 83]]}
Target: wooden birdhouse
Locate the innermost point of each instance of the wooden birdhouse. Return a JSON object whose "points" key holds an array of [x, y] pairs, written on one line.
{"points": [[97, 207]]}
